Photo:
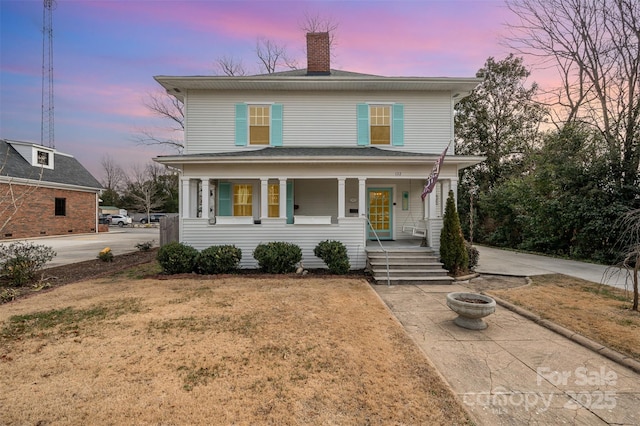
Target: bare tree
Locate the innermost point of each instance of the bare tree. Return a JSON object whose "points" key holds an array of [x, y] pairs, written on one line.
{"points": [[142, 191], [114, 176], [272, 55], [172, 109], [629, 242], [230, 66], [13, 195], [595, 46]]}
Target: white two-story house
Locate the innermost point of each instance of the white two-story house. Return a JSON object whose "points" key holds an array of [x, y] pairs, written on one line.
{"points": [[314, 154]]}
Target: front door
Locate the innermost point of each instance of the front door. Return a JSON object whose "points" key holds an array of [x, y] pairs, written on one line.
{"points": [[380, 213]]}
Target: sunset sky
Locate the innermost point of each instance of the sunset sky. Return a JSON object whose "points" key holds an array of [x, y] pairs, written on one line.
{"points": [[106, 53]]}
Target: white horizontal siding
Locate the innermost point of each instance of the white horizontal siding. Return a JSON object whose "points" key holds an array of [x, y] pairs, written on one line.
{"points": [[200, 235], [316, 119]]}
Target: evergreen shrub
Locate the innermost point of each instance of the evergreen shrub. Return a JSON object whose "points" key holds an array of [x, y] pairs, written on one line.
{"points": [[277, 257], [334, 255], [177, 258], [453, 253], [222, 259]]}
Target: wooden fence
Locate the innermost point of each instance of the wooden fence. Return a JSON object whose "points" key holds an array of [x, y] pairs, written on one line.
{"points": [[169, 229]]}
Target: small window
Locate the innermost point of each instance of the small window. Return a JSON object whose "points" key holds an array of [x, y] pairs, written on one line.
{"points": [[274, 200], [61, 206], [243, 200], [43, 158], [380, 122], [259, 125]]}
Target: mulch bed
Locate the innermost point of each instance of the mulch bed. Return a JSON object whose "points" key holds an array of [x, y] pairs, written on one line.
{"points": [[74, 272]]}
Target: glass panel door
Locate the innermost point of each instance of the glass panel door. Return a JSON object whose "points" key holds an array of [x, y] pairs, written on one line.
{"points": [[380, 213]]}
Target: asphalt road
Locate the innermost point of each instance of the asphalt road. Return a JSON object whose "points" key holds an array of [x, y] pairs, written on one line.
{"points": [[77, 248]]}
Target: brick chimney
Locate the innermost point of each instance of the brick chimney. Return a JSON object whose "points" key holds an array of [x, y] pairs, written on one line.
{"points": [[318, 54]]}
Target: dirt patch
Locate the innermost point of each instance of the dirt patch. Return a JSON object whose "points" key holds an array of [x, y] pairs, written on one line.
{"points": [[495, 282], [226, 350], [599, 312]]}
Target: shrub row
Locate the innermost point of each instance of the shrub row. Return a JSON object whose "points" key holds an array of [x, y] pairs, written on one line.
{"points": [[273, 258]]}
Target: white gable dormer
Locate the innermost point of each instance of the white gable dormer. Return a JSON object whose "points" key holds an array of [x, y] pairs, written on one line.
{"points": [[36, 155]]}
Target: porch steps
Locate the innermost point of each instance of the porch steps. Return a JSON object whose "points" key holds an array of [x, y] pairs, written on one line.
{"points": [[415, 265]]}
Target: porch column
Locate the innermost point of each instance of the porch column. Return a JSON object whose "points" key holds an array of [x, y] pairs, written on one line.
{"points": [[205, 198], [431, 200], [212, 201], [184, 196], [454, 187], [341, 197], [362, 196], [264, 198], [283, 198]]}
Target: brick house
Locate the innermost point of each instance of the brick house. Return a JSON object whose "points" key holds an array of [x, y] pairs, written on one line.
{"points": [[44, 192]]}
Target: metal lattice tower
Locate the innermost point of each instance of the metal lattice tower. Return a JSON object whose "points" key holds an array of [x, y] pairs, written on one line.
{"points": [[47, 129]]}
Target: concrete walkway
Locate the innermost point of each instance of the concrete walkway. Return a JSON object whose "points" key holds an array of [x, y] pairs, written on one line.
{"points": [[517, 372]]}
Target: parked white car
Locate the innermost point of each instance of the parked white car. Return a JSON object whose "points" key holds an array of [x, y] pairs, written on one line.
{"points": [[120, 220]]}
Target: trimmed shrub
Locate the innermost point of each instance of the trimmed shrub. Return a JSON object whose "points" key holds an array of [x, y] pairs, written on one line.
{"points": [[334, 255], [20, 261], [177, 258], [453, 253], [218, 260], [277, 257], [472, 254]]}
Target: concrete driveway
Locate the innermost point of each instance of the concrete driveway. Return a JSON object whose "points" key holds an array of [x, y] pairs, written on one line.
{"points": [[77, 248], [494, 261]]}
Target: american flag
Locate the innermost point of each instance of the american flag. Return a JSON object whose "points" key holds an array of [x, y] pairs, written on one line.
{"points": [[433, 177]]}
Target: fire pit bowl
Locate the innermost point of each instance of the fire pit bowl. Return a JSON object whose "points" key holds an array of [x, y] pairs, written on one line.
{"points": [[471, 308]]}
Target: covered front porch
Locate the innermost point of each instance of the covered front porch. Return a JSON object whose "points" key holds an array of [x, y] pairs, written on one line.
{"points": [[306, 195], [360, 212]]}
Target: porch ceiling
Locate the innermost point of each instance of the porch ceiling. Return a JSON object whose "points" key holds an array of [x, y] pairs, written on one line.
{"points": [[301, 155]]}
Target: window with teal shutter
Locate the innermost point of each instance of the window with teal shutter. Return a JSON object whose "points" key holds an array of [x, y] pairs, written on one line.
{"points": [[241, 125], [290, 202], [276, 125], [225, 203], [397, 138], [363, 124]]}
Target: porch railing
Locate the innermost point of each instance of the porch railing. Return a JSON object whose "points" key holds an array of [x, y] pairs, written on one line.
{"points": [[386, 253]]}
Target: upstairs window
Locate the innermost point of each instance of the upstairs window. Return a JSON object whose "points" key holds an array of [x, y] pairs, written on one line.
{"points": [[60, 206], [380, 124], [258, 124], [43, 158]]}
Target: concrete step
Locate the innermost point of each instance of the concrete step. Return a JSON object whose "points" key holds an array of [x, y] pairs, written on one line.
{"points": [[402, 273], [440, 280], [403, 264]]}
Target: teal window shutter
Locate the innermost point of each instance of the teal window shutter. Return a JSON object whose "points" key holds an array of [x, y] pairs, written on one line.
{"points": [[289, 202], [276, 125], [397, 137], [225, 203], [242, 127], [363, 124]]}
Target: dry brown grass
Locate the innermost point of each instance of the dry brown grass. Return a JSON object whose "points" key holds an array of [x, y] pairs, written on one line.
{"points": [[600, 312], [239, 350]]}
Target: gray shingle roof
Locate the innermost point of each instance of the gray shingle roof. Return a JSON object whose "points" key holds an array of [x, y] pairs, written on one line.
{"points": [[270, 152], [67, 170]]}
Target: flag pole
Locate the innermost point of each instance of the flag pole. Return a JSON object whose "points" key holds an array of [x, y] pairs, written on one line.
{"points": [[429, 185]]}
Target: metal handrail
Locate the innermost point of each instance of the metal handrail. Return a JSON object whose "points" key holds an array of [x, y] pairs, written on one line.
{"points": [[386, 253]]}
